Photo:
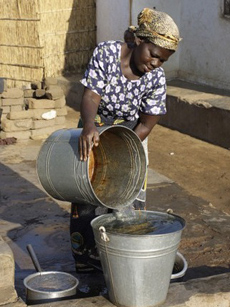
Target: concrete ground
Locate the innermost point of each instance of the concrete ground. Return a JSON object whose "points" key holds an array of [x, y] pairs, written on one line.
{"points": [[30, 216]]}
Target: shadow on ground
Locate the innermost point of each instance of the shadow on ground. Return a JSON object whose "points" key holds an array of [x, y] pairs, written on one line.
{"points": [[29, 216]]}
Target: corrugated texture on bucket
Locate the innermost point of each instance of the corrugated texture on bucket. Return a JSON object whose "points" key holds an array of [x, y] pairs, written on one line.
{"points": [[137, 268], [112, 177]]}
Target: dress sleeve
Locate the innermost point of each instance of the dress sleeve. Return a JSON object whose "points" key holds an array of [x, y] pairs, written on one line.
{"points": [[154, 101], [95, 76]]}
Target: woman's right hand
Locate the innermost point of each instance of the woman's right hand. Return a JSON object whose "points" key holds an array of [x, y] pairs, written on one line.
{"points": [[88, 138], [90, 135]]}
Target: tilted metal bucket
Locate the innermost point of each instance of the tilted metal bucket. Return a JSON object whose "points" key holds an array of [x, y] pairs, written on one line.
{"points": [[112, 176], [138, 268]]}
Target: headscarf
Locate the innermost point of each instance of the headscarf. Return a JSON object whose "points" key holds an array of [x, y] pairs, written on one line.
{"points": [[158, 27]]}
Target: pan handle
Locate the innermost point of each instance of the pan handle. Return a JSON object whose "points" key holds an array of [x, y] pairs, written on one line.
{"points": [[34, 258]]}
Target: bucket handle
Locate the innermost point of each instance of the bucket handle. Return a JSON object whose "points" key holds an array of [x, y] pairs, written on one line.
{"points": [[180, 258], [104, 235]]}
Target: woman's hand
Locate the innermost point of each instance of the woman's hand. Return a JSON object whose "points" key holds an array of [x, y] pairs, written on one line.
{"points": [[88, 138], [90, 135]]}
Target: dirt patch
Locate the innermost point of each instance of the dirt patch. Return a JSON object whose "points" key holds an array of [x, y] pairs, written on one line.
{"points": [[200, 194], [199, 167]]}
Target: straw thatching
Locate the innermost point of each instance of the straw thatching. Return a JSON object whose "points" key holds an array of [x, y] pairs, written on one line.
{"points": [[45, 38]]}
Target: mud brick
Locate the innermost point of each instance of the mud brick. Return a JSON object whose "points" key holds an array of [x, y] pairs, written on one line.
{"points": [[44, 132], [5, 109], [40, 103], [39, 93], [31, 113], [20, 114], [42, 123], [13, 101], [60, 120], [38, 113], [17, 108], [29, 93], [13, 93], [19, 135], [3, 116], [50, 81], [61, 111], [16, 125], [60, 103], [54, 92]]}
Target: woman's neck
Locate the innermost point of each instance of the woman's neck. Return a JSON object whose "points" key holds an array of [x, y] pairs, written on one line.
{"points": [[128, 67]]}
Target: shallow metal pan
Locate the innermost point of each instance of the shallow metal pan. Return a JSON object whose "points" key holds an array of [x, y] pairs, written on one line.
{"points": [[42, 287]]}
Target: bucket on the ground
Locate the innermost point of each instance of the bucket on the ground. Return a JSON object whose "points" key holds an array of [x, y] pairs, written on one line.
{"points": [[112, 176], [137, 266]]}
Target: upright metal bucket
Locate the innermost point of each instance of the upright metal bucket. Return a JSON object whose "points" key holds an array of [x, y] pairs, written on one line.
{"points": [[137, 268], [112, 176]]}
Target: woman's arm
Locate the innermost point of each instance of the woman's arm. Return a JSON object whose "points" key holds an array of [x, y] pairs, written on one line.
{"points": [[89, 135], [146, 124]]}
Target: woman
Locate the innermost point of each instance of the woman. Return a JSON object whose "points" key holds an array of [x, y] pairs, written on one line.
{"points": [[124, 84]]}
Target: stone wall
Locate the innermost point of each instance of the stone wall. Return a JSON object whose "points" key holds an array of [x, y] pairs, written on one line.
{"points": [[33, 112], [7, 274]]}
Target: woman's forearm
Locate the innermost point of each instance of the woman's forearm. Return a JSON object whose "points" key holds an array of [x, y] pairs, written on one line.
{"points": [[89, 106], [145, 125]]}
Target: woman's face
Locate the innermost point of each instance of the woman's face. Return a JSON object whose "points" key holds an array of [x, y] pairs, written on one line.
{"points": [[148, 56]]}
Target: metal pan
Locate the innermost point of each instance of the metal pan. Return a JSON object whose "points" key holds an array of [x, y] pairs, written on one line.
{"points": [[43, 287]]}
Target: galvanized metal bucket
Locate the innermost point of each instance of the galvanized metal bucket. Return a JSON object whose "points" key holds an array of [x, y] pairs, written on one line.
{"points": [[137, 268], [112, 176]]}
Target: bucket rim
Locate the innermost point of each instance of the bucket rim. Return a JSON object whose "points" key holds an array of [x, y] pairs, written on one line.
{"points": [[104, 128], [101, 130], [183, 225]]}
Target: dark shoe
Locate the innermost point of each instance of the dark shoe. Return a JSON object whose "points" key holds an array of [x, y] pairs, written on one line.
{"points": [[94, 259], [95, 264], [93, 254], [84, 267]]}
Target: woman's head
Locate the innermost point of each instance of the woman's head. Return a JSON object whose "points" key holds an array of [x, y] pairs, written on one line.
{"points": [[153, 41], [158, 28]]}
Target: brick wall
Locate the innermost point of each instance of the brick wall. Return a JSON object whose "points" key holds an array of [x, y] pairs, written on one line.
{"points": [[33, 112]]}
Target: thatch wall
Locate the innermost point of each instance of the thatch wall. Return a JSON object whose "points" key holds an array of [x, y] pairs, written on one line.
{"points": [[45, 38]]}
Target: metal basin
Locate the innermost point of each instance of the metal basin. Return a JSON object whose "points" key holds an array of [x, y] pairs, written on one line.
{"points": [[49, 286]]}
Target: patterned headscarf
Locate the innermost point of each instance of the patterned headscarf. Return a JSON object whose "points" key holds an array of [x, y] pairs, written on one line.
{"points": [[158, 27]]}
